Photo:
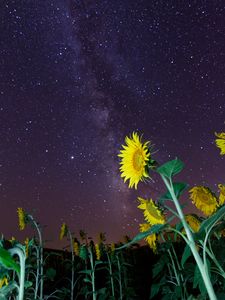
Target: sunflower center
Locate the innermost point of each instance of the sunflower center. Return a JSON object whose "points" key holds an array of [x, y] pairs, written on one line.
{"points": [[138, 160]]}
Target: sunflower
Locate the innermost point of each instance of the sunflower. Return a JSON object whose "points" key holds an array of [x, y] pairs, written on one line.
{"points": [[21, 216], [63, 231], [3, 281], [220, 142], [151, 239], [112, 248], [204, 199], [97, 251], [193, 222], [152, 213], [135, 157], [222, 194], [76, 248], [26, 242]]}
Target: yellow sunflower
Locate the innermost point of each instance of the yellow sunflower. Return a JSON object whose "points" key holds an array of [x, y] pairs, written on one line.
{"points": [[222, 194], [220, 142], [97, 251], [3, 281], [21, 216], [63, 231], [134, 160], [193, 222], [150, 239], [26, 242], [204, 199], [76, 248], [152, 213]]}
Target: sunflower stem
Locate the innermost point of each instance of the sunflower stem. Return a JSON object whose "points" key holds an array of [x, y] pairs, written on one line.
{"points": [[202, 267]]}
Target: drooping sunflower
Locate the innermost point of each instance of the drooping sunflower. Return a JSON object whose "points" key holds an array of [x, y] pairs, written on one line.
{"points": [[152, 214], [112, 248], [21, 216], [222, 194], [204, 199], [97, 251], [150, 239], [135, 157], [193, 222], [63, 231], [76, 248], [220, 142]]}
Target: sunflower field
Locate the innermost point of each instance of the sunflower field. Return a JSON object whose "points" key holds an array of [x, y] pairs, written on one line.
{"points": [[184, 257]]}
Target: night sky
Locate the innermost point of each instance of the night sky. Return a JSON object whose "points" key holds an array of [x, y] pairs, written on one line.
{"points": [[76, 78]]}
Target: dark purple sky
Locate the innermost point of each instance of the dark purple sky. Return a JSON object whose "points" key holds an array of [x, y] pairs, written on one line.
{"points": [[76, 77]]}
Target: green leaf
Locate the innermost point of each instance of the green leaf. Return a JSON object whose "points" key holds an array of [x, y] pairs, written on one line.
{"points": [[7, 261], [179, 188], [51, 273], [88, 272], [212, 220], [186, 255], [87, 280], [171, 168], [154, 229], [154, 290]]}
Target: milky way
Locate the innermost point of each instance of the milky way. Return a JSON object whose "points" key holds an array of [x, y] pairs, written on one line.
{"points": [[76, 78]]}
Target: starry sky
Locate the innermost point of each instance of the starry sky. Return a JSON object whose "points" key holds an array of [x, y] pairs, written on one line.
{"points": [[76, 78]]}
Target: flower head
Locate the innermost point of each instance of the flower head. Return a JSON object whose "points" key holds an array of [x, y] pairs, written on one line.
{"points": [[3, 281], [150, 239], [21, 216], [153, 215], [135, 157], [220, 142], [26, 242], [112, 247], [193, 222], [97, 251], [222, 194], [204, 199], [63, 231], [76, 248]]}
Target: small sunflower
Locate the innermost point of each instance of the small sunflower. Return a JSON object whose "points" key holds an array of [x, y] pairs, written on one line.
{"points": [[63, 231], [26, 242], [135, 157], [150, 239], [97, 251], [112, 248], [152, 213], [220, 142], [3, 281], [76, 248], [204, 199], [21, 216], [193, 222], [222, 194]]}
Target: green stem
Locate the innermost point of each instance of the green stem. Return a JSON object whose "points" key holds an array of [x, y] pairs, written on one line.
{"points": [[111, 274], [202, 268], [120, 279], [72, 254], [92, 273], [40, 258], [22, 257]]}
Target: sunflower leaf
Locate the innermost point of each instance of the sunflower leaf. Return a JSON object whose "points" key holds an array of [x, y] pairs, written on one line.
{"points": [[212, 220], [7, 261], [179, 188], [171, 168], [140, 236], [186, 254]]}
